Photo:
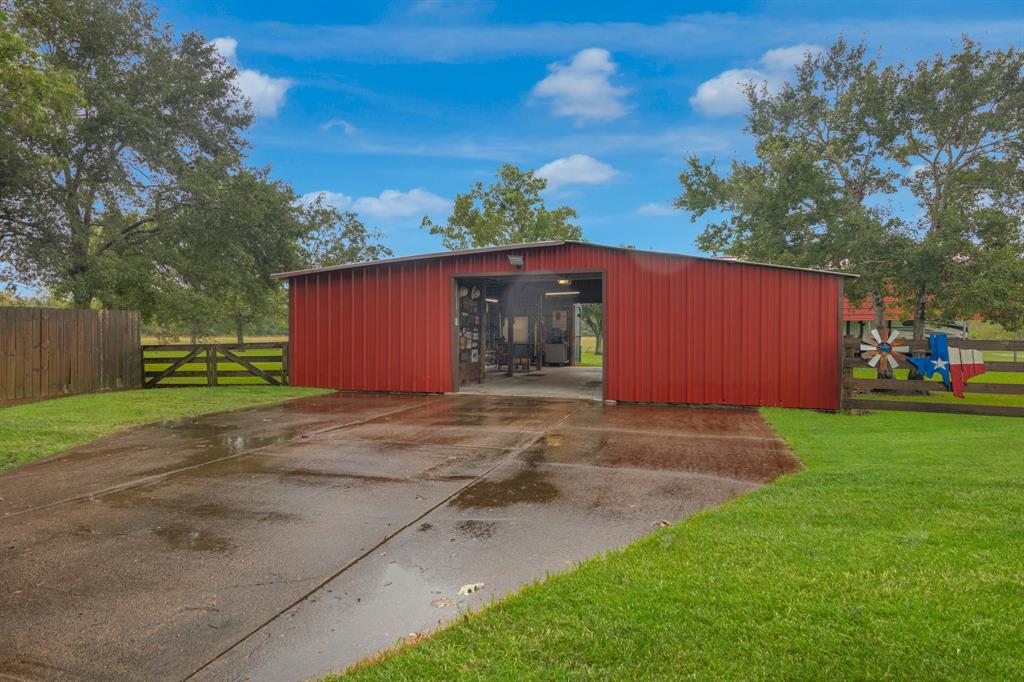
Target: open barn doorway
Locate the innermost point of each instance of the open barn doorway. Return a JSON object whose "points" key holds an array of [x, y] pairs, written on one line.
{"points": [[527, 335]]}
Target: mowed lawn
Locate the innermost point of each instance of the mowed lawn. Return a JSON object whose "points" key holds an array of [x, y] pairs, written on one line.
{"points": [[897, 553], [588, 358], [35, 430]]}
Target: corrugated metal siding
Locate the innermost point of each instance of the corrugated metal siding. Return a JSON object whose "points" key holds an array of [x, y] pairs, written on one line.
{"points": [[678, 330]]}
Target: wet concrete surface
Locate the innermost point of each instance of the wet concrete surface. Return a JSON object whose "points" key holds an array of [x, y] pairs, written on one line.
{"points": [[586, 383], [348, 522]]}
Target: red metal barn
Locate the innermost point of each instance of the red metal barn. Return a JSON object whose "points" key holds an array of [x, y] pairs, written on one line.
{"points": [[677, 329]]}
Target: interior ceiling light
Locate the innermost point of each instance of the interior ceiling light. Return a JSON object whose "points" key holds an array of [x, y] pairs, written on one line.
{"points": [[491, 300], [515, 261], [561, 293], [565, 282]]}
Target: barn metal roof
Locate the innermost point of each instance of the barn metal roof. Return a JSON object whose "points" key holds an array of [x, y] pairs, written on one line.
{"points": [[539, 245]]}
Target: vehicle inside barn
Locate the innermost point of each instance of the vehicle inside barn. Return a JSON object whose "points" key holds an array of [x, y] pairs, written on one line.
{"points": [[522, 335]]}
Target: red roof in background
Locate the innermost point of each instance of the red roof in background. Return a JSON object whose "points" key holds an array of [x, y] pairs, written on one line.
{"points": [[863, 312]]}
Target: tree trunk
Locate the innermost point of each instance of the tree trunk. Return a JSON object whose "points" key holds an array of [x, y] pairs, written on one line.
{"points": [[920, 314], [239, 329], [599, 344], [193, 338], [878, 305]]}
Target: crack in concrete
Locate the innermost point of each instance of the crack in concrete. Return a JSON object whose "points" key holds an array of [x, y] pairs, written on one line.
{"points": [[155, 478], [510, 457]]}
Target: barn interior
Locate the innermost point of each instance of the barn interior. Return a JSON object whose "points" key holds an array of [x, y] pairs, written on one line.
{"points": [[522, 335]]}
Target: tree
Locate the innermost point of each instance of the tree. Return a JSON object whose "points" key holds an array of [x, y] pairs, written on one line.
{"points": [[217, 258], [963, 118], [336, 237], [510, 211], [815, 197], [224, 249], [592, 315], [37, 101], [155, 106]]}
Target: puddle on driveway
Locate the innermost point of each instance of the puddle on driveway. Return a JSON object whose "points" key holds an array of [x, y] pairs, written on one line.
{"points": [[205, 442], [479, 530], [529, 485], [186, 537]]}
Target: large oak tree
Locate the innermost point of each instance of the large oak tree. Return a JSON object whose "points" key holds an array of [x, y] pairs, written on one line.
{"points": [[834, 147], [154, 106]]}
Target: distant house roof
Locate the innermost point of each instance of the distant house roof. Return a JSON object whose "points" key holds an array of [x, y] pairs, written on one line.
{"points": [[865, 312], [537, 245]]}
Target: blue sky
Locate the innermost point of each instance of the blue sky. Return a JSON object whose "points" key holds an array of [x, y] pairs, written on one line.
{"points": [[393, 108]]}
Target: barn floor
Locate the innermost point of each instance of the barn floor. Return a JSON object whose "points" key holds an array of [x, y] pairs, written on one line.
{"points": [[551, 382], [281, 542]]}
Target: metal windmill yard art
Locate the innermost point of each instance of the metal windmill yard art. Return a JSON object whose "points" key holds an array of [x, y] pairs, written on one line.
{"points": [[882, 348]]}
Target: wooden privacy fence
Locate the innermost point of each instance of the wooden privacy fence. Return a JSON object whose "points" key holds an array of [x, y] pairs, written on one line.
{"points": [[210, 364], [48, 352], [874, 393]]}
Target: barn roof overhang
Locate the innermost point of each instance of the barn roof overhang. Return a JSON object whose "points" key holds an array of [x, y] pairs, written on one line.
{"points": [[541, 245]]}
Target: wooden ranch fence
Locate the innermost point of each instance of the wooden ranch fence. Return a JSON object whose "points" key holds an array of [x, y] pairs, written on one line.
{"points": [[210, 364], [870, 393], [46, 352]]}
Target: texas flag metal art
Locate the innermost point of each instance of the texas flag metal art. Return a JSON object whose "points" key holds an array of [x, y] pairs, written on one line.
{"points": [[881, 347], [954, 365]]}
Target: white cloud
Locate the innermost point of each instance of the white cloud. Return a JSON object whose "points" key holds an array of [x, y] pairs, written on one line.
{"points": [[266, 93], [578, 169], [582, 88], [392, 203], [389, 204], [724, 94], [657, 210], [227, 48], [340, 201], [347, 127]]}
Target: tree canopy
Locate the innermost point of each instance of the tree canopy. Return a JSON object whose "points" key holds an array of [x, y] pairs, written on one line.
{"points": [[509, 211], [123, 173], [154, 105], [37, 101], [839, 149]]}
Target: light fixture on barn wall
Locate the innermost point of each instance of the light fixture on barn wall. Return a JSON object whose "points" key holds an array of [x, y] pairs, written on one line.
{"points": [[561, 293], [515, 261], [565, 282], [492, 300]]}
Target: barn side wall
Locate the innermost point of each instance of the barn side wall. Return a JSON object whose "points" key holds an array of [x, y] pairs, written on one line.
{"points": [[678, 330]]}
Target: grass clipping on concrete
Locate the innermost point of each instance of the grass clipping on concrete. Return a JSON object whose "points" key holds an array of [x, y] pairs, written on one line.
{"points": [[897, 553], [36, 430]]}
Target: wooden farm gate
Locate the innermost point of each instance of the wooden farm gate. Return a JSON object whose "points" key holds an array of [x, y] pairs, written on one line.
{"points": [[49, 352], [209, 364], [874, 393]]}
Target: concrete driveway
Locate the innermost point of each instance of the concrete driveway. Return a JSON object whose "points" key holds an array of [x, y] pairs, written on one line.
{"points": [[287, 541]]}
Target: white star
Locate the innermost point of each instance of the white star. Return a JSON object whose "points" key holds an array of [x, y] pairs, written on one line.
{"points": [[940, 363]]}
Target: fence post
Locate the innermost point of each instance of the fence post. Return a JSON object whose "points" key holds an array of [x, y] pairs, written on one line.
{"points": [[286, 378], [211, 365]]}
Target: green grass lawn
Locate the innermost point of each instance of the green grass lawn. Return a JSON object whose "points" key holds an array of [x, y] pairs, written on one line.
{"points": [[32, 431], [588, 358], [897, 553]]}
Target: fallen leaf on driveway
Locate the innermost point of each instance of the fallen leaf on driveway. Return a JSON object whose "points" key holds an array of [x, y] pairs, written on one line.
{"points": [[471, 588], [443, 602]]}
